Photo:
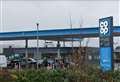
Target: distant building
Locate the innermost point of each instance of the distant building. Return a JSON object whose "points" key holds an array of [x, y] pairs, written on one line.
{"points": [[117, 55], [92, 53]]}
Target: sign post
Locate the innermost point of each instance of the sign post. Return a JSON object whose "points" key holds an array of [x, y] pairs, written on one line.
{"points": [[106, 43]]}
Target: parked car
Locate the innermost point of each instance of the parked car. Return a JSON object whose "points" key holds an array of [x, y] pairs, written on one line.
{"points": [[3, 61], [31, 61], [28, 62], [13, 63]]}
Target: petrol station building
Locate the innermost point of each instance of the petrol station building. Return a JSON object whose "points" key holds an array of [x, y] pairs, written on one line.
{"points": [[105, 31]]}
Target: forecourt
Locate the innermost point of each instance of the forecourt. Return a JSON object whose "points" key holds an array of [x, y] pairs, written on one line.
{"points": [[106, 31]]}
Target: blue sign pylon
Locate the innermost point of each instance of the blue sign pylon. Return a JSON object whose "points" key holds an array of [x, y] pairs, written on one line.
{"points": [[106, 43]]}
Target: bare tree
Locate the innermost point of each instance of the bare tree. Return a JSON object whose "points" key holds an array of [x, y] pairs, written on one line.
{"points": [[78, 56], [71, 25]]}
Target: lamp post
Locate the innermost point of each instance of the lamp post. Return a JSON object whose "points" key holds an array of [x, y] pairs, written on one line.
{"points": [[37, 39], [37, 53]]}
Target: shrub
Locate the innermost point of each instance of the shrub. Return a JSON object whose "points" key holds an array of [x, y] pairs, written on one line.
{"points": [[74, 74]]}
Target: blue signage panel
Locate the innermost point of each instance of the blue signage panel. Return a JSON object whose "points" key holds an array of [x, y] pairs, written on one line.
{"points": [[106, 43], [106, 58]]}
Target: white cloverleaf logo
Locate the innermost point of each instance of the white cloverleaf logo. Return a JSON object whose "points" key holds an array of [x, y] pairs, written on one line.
{"points": [[104, 27]]}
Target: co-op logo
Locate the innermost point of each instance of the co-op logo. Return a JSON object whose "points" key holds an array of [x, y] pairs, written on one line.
{"points": [[104, 27]]}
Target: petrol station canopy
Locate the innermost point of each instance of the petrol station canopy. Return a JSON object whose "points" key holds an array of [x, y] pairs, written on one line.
{"points": [[56, 34]]}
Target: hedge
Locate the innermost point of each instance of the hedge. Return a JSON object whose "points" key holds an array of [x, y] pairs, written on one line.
{"points": [[66, 75]]}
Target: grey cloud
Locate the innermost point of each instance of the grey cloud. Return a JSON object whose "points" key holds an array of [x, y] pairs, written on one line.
{"points": [[23, 15]]}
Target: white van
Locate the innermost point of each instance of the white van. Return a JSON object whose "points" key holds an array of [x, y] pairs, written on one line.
{"points": [[3, 61]]}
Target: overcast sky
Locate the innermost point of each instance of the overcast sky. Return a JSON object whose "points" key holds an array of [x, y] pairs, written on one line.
{"points": [[21, 15]]}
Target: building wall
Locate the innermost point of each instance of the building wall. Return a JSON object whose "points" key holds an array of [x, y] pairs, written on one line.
{"points": [[92, 53]]}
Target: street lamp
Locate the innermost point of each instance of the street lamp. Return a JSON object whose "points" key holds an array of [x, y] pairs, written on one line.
{"points": [[37, 39]]}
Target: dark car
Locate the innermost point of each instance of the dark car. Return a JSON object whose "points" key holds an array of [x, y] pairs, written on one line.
{"points": [[13, 63], [28, 62]]}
